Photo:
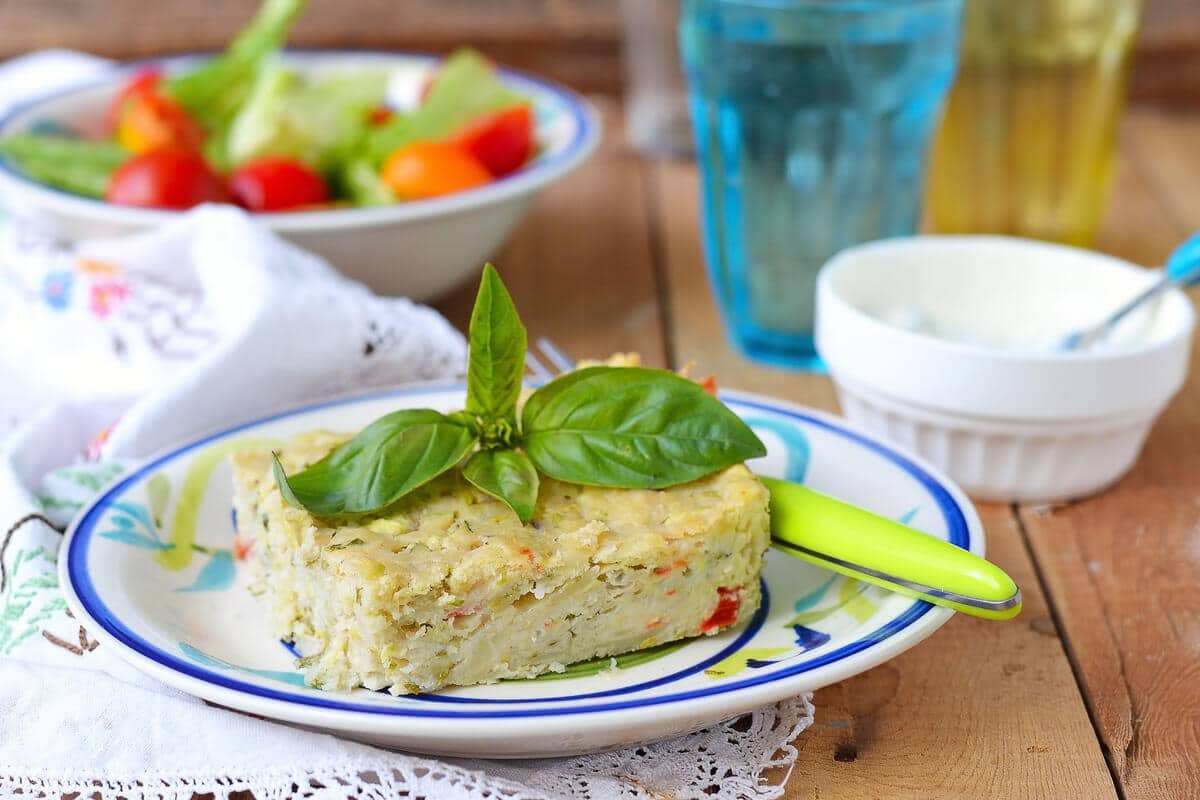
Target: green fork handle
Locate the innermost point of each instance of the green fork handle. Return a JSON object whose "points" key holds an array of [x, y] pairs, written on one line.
{"points": [[871, 548]]}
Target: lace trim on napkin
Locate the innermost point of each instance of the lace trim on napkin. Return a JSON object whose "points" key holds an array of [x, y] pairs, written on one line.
{"points": [[724, 762]]}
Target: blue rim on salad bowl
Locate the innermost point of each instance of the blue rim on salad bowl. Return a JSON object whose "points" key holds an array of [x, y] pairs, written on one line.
{"points": [[199, 629], [418, 248]]}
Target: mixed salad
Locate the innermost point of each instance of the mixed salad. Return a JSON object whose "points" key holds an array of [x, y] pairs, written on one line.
{"points": [[246, 128]]}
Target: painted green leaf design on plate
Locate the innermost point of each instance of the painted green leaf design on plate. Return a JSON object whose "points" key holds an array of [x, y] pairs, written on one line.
{"points": [[585, 669], [739, 661], [158, 493]]}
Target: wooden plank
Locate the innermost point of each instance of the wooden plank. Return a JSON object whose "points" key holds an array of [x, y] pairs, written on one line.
{"points": [[1162, 145], [1121, 567], [578, 41], [982, 709], [579, 265], [1136, 226], [575, 41]]}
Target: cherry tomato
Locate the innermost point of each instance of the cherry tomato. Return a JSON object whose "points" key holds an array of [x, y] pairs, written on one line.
{"points": [[379, 115], [430, 169], [276, 184], [165, 179], [153, 121], [144, 80], [502, 141]]}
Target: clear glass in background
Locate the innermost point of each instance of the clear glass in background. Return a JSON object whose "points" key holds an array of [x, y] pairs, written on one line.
{"points": [[656, 108], [813, 119], [1029, 138]]}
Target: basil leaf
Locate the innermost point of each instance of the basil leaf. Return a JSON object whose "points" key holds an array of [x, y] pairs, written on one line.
{"points": [[385, 461], [508, 476], [497, 352], [632, 427]]}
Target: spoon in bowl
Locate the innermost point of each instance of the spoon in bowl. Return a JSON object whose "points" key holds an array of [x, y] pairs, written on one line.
{"points": [[1182, 270]]}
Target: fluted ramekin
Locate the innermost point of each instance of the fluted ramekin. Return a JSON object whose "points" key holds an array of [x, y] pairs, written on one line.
{"points": [[1014, 422]]}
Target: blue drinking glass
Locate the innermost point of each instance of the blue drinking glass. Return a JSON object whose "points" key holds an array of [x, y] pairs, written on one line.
{"points": [[812, 119]]}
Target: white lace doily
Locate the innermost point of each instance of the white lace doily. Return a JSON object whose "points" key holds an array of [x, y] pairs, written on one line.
{"points": [[724, 762]]}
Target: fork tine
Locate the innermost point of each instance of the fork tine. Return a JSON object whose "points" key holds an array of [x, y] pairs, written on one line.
{"points": [[560, 360], [537, 368]]}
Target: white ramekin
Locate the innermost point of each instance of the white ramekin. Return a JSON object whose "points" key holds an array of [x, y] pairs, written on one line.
{"points": [[1007, 423]]}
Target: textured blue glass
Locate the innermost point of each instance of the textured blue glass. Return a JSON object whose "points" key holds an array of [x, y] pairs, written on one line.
{"points": [[812, 120]]}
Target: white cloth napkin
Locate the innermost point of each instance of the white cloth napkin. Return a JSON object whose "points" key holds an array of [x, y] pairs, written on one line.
{"points": [[112, 350]]}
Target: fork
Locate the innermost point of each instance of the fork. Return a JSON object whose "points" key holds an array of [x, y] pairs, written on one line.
{"points": [[859, 543]]}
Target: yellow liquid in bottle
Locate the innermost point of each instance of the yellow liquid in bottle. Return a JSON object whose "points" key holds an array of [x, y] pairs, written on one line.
{"points": [[1028, 141]]}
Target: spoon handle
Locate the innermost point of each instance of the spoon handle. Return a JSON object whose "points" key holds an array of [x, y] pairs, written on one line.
{"points": [[871, 548], [1183, 267]]}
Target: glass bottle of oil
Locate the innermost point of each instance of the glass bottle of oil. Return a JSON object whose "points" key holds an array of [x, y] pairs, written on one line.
{"points": [[1028, 141]]}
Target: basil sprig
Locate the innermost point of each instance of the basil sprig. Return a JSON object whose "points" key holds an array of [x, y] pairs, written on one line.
{"points": [[626, 427]]}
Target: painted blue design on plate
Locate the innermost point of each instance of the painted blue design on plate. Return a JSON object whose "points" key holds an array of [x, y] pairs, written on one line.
{"points": [[810, 638], [84, 535], [134, 526], [794, 440], [812, 598], [216, 575], [46, 126], [907, 517], [200, 657]]}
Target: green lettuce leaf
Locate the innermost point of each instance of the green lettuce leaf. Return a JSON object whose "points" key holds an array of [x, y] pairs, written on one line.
{"points": [[75, 165], [359, 182], [466, 87], [318, 121], [213, 92]]}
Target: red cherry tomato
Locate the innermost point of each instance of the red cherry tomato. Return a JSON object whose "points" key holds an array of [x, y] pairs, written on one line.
{"points": [[144, 80], [165, 179], [379, 115], [502, 141], [276, 184]]}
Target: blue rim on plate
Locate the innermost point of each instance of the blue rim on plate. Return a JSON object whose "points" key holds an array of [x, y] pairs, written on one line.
{"points": [[83, 533], [585, 137]]}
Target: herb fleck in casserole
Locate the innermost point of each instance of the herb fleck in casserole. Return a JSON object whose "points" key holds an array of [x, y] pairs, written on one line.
{"points": [[448, 587]]}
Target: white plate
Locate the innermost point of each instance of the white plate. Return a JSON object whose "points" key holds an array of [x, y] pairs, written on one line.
{"points": [[149, 570]]}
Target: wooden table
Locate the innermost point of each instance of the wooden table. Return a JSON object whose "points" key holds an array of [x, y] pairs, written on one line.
{"points": [[1094, 691]]}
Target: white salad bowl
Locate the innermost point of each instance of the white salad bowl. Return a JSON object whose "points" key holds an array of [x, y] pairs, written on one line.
{"points": [[945, 345], [418, 248]]}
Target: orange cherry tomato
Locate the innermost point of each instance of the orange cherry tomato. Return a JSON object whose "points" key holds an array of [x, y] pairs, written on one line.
{"points": [[431, 169], [152, 121], [144, 80], [502, 141]]}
